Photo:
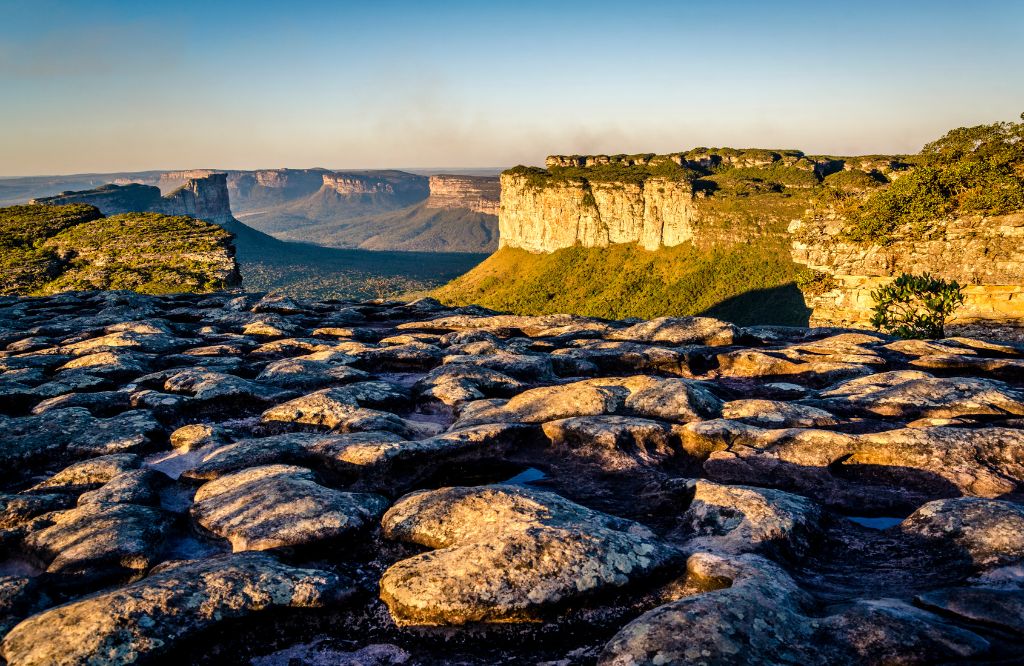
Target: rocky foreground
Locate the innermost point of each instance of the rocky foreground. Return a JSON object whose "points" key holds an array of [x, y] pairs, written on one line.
{"points": [[225, 479]]}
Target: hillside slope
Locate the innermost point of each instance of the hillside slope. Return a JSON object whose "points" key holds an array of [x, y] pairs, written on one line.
{"points": [[415, 228], [50, 249], [742, 283]]}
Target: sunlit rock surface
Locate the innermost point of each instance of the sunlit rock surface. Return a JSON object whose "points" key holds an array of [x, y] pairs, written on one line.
{"points": [[436, 485]]}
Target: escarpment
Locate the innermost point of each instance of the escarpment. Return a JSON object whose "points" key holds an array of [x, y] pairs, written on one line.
{"points": [[658, 212], [984, 254], [202, 197], [480, 194]]}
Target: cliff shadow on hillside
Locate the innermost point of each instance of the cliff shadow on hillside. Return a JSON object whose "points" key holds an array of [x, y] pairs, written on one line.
{"points": [[783, 306]]}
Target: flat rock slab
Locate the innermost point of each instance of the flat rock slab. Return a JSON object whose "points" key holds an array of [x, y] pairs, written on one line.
{"points": [[755, 614], [741, 519], [281, 505], [338, 409], [911, 395], [505, 553], [101, 539], [154, 615]]}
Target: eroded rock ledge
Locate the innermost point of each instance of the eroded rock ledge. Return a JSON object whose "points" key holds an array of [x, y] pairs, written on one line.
{"points": [[246, 478]]}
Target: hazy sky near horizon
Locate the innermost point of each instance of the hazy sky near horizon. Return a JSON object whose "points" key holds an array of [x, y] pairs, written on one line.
{"points": [[111, 85]]}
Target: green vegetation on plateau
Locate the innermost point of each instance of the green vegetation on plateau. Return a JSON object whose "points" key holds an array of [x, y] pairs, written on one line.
{"points": [[970, 170], [745, 283], [48, 249]]}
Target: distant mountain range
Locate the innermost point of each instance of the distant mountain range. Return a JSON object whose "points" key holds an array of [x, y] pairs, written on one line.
{"points": [[370, 209]]}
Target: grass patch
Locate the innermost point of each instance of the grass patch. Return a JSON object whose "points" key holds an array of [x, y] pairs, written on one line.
{"points": [[744, 283]]}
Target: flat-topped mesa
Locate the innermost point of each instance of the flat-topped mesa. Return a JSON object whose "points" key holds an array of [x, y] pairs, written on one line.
{"points": [[737, 158], [985, 254], [407, 187], [172, 180], [544, 217], [352, 184], [204, 198], [481, 194]]}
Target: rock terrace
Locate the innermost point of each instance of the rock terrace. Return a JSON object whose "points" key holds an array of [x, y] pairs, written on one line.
{"points": [[238, 478]]}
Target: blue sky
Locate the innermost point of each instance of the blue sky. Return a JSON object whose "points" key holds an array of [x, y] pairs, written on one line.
{"points": [[110, 86]]}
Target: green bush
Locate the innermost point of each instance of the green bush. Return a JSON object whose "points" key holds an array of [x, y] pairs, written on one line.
{"points": [[915, 306], [970, 170]]}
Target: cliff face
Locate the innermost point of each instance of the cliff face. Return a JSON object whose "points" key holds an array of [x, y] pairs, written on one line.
{"points": [[480, 194], [659, 212], [205, 198], [985, 254]]}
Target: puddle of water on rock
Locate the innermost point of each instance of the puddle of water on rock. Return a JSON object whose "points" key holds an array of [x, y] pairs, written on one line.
{"points": [[177, 499], [403, 379], [191, 547], [20, 567], [875, 523], [526, 477]]}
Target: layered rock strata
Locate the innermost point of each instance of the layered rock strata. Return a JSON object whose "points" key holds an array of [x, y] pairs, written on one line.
{"points": [[984, 254], [201, 197], [480, 194], [656, 213]]}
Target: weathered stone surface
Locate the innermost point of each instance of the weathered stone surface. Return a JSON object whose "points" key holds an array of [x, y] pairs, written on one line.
{"points": [[755, 614], [196, 435], [157, 613], [788, 482], [97, 539], [220, 460], [303, 373], [91, 473], [754, 363], [990, 606], [670, 399], [138, 486], [902, 467], [679, 331], [205, 386], [777, 414], [69, 434], [614, 442], [339, 410], [989, 533], [916, 395], [507, 553], [741, 519], [456, 383], [281, 505]]}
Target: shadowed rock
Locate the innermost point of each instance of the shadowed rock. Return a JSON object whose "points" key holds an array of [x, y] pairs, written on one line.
{"points": [[101, 539], [281, 505], [154, 615], [758, 617]]}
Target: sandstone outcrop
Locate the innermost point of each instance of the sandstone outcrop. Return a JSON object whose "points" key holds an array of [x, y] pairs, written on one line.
{"points": [[657, 213], [533, 489], [481, 194], [203, 197], [984, 254]]}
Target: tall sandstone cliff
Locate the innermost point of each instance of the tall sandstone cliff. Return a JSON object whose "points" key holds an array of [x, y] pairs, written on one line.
{"points": [[659, 212], [480, 194], [985, 254], [203, 197]]}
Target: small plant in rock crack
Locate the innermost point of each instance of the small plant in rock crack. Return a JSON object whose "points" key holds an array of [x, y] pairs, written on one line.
{"points": [[915, 306]]}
